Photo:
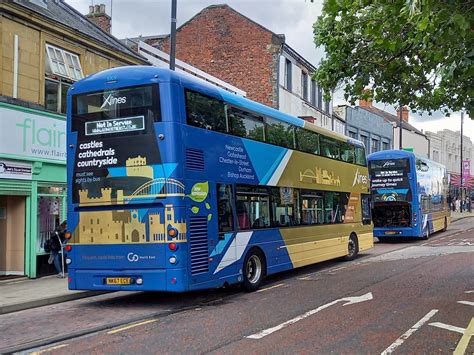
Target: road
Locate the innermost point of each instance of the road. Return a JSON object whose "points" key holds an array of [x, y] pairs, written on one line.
{"points": [[405, 297]]}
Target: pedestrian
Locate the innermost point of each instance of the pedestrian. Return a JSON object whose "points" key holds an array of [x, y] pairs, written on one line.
{"points": [[57, 244], [458, 205]]}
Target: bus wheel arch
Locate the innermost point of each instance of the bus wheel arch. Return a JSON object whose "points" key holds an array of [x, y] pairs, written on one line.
{"points": [[352, 247], [254, 269]]}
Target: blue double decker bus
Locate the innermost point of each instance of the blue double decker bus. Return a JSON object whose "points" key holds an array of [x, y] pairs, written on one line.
{"points": [[409, 195], [176, 185]]}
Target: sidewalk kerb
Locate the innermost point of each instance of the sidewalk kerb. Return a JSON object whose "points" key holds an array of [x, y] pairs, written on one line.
{"points": [[48, 301]]}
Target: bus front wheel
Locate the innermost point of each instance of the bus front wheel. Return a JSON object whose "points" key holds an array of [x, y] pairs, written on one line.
{"points": [[352, 248], [254, 270]]}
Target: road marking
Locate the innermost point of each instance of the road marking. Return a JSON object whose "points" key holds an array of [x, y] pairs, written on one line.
{"points": [[464, 342], [448, 327], [467, 302], [49, 349], [132, 326], [409, 332], [349, 300], [472, 291], [269, 288]]}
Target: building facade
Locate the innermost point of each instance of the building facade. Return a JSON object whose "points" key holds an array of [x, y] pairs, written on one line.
{"points": [[45, 47], [412, 138], [445, 148], [228, 45], [372, 129]]}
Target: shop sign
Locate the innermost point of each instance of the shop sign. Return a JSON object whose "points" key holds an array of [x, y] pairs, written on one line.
{"points": [[10, 169], [31, 135]]}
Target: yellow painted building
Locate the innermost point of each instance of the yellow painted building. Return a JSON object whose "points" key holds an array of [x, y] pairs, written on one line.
{"points": [[45, 46]]}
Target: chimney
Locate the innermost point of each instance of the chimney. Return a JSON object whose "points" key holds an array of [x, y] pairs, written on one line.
{"points": [[365, 103], [98, 16], [404, 113]]}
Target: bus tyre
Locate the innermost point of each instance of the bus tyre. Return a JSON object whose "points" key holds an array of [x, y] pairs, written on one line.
{"points": [[427, 236], [352, 248], [254, 270]]}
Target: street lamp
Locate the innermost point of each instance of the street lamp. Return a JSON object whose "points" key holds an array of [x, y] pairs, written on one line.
{"points": [[173, 34], [461, 181]]}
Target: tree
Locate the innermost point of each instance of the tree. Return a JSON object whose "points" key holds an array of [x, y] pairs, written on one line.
{"points": [[418, 53]]}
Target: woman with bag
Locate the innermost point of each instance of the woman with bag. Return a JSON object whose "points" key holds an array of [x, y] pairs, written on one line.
{"points": [[57, 243]]}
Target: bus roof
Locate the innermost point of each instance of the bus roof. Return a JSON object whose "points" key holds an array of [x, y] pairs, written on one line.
{"points": [[119, 77], [400, 154]]}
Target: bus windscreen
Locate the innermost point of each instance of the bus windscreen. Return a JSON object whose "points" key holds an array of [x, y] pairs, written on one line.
{"points": [[116, 144], [389, 180]]}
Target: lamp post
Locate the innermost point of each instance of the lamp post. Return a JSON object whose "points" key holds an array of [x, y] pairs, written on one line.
{"points": [[173, 34], [461, 180], [400, 145]]}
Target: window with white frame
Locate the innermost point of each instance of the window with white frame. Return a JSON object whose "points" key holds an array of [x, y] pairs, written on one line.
{"points": [[62, 69]]}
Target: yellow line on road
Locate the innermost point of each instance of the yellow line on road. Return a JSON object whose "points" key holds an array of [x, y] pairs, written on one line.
{"points": [[49, 349], [464, 342], [132, 326], [269, 288]]}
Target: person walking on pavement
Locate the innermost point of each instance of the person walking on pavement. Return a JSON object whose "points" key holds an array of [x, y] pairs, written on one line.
{"points": [[57, 244]]}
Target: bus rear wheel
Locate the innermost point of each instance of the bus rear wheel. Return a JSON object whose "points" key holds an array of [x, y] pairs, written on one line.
{"points": [[427, 236], [352, 248], [254, 270]]}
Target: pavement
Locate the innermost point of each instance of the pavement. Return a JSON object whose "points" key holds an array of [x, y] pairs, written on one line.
{"points": [[23, 293], [19, 294]]}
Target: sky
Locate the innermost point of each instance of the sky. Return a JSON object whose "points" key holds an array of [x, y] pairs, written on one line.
{"points": [[293, 18]]}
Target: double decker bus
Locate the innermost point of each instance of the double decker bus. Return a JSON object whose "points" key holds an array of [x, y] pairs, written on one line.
{"points": [[409, 195], [177, 185]]}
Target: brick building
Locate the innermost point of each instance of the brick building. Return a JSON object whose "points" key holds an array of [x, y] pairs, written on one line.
{"points": [[230, 46]]}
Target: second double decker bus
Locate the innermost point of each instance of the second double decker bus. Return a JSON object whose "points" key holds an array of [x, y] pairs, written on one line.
{"points": [[409, 195], [176, 185]]}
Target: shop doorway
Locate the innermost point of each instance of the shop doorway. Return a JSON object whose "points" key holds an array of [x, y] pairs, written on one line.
{"points": [[12, 235]]}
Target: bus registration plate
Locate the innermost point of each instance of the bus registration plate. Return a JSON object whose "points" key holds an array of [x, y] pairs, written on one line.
{"points": [[118, 280], [390, 232]]}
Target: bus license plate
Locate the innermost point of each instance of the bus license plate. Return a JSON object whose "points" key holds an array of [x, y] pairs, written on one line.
{"points": [[118, 280], [390, 232]]}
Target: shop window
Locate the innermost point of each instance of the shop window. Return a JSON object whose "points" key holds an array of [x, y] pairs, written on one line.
{"points": [[285, 207], [50, 215], [205, 112], [55, 95], [225, 210], [252, 208]]}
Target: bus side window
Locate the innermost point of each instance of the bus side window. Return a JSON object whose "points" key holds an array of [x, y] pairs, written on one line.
{"points": [[360, 156], [366, 215], [205, 112], [225, 207]]}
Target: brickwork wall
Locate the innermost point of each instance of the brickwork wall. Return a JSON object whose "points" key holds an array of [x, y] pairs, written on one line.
{"points": [[232, 48]]}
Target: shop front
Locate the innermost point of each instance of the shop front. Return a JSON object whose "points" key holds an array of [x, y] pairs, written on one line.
{"points": [[32, 187]]}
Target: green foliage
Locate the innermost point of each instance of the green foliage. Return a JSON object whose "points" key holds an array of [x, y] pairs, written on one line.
{"points": [[418, 53]]}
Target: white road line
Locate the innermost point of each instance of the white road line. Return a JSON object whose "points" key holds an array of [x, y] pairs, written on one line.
{"points": [[472, 291], [350, 300], [467, 302], [269, 288], [448, 327], [409, 332], [49, 349]]}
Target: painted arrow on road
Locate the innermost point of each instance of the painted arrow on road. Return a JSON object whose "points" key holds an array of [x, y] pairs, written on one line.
{"points": [[348, 300]]}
